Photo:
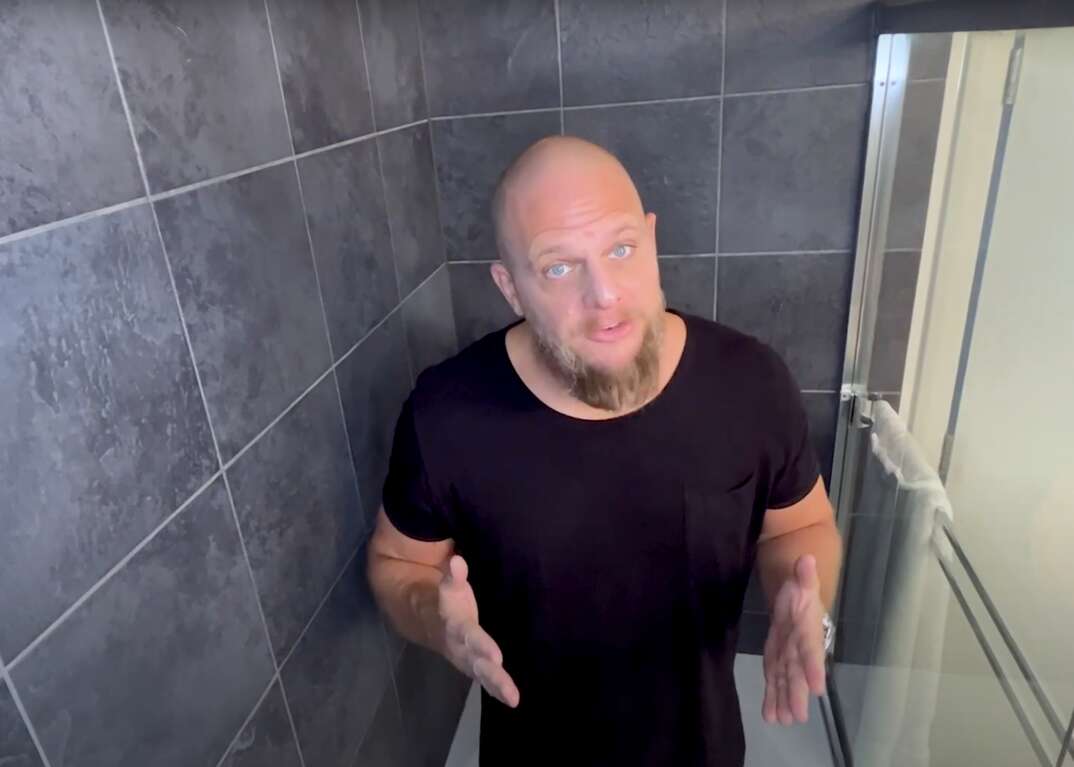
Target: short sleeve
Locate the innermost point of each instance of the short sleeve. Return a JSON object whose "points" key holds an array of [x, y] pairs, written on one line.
{"points": [[412, 504], [793, 462]]}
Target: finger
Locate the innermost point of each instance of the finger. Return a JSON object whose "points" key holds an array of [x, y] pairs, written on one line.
{"points": [[458, 570], [811, 650], [798, 692], [478, 642], [496, 681], [783, 706], [805, 571], [768, 707]]}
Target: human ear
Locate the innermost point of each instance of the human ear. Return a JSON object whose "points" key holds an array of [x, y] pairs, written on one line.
{"points": [[502, 277]]}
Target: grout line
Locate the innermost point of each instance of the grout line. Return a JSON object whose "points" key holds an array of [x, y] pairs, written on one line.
{"points": [[641, 103], [388, 220], [104, 579], [290, 719], [902, 250], [506, 113], [71, 220], [421, 60], [365, 62], [686, 255], [719, 158], [5, 675], [356, 139], [559, 60], [803, 89], [474, 261], [279, 80], [818, 391], [249, 718], [179, 190], [785, 253]]}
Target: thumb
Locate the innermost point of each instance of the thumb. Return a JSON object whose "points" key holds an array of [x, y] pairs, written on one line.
{"points": [[805, 572], [459, 570]]}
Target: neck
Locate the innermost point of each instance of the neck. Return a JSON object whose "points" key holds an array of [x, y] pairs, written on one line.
{"points": [[553, 391]]}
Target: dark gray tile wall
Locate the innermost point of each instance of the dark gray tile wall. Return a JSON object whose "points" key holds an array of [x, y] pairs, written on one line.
{"points": [[748, 145], [185, 372]]}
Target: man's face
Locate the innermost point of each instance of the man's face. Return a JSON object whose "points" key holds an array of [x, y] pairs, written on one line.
{"points": [[584, 268]]}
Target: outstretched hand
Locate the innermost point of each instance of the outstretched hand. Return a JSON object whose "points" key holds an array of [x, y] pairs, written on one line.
{"points": [[466, 644], [794, 650]]}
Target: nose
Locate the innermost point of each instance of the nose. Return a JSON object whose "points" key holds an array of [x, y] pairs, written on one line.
{"points": [[601, 290]]}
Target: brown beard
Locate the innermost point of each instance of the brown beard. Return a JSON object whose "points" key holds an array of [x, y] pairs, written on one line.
{"points": [[603, 389]]}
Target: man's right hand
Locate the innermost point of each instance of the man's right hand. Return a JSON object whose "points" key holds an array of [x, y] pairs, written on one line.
{"points": [[466, 644]]}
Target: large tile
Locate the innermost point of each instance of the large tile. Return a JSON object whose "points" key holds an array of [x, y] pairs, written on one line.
{"points": [[299, 512], [171, 646], [895, 309], [392, 37], [267, 739], [102, 429], [638, 50], [67, 148], [479, 306], [822, 411], [913, 165], [245, 277], [430, 323], [338, 673], [432, 695], [17, 748], [794, 43], [791, 174], [471, 154], [351, 239], [413, 209], [386, 744], [374, 381], [322, 67], [796, 303], [689, 284], [489, 57], [201, 83], [672, 152], [929, 53]]}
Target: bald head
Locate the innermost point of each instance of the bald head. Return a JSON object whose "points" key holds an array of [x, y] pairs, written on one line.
{"points": [[556, 180]]}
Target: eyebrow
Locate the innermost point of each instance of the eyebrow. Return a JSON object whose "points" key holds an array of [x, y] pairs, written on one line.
{"points": [[558, 248]]}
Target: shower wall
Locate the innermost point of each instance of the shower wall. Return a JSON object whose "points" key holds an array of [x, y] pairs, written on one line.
{"points": [[743, 124], [221, 267]]}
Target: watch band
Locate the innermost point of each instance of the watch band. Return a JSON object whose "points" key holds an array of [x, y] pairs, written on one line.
{"points": [[829, 634]]}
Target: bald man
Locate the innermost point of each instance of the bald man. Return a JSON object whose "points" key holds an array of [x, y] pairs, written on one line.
{"points": [[575, 502]]}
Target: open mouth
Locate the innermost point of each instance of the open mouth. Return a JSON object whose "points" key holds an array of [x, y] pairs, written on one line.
{"points": [[611, 331]]}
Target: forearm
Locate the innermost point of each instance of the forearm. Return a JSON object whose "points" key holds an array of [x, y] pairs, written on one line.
{"points": [[776, 558], [406, 592]]}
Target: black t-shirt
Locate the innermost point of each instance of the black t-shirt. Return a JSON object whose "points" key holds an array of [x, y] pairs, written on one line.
{"points": [[609, 558]]}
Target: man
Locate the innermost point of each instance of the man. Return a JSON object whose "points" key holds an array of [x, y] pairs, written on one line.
{"points": [[574, 503]]}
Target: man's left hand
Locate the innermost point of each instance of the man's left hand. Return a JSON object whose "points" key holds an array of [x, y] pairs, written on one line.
{"points": [[794, 650]]}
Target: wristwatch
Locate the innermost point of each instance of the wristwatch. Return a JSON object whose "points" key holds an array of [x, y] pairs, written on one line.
{"points": [[829, 634]]}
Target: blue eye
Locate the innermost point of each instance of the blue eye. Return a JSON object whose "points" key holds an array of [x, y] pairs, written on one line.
{"points": [[622, 251], [557, 271]]}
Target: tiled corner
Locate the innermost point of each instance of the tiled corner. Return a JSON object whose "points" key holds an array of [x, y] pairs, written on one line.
{"points": [[430, 323], [61, 108], [322, 68], [796, 303], [298, 510], [96, 689], [16, 746], [338, 673], [822, 412], [508, 47], [471, 154], [432, 695], [672, 152], [351, 240], [246, 280], [413, 209], [689, 283], [912, 178], [639, 50], [894, 312], [102, 426], [267, 740], [392, 35], [792, 44], [386, 743], [183, 65], [374, 382], [791, 175], [479, 306]]}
